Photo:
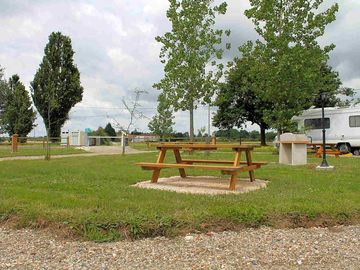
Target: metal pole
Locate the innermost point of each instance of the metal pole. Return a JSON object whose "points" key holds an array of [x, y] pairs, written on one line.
{"points": [[324, 161]]}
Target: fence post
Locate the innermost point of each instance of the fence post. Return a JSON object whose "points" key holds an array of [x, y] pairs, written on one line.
{"points": [[213, 140], [14, 142]]}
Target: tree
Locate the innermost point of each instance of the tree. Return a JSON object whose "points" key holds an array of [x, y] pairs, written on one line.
{"points": [[331, 85], [4, 88], [56, 87], [237, 100], [110, 131], [102, 133], [190, 52], [289, 73], [18, 115], [161, 124], [132, 107]]}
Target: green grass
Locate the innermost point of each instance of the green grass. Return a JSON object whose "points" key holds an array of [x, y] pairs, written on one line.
{"points": [[92, 196], [37, 150]]}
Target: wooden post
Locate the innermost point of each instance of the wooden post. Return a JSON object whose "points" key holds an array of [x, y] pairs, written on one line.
{"points": [[249, 163], [14, 142], [234, 175], [179, 161], [160, 159], [213, 140]]}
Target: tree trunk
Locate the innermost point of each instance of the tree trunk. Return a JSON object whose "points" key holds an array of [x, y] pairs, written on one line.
{"points": [[191, 122], [263, 135], [48, 131]]}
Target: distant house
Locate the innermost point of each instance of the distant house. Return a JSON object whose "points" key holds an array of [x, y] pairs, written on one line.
{"points": [[73, 138]]}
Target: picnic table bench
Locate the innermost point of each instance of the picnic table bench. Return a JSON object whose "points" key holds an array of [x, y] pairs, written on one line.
{"points": [[228, 167]]}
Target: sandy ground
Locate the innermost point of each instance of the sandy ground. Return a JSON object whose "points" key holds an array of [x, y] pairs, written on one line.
{"points": [[202, 185]]}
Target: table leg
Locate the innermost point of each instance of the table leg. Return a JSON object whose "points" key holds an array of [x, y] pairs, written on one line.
{"points": [[234, 175], [156, 172], [249, 163], [179, 161], [319, 151]]}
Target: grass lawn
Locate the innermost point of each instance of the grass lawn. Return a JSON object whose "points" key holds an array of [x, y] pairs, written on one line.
{"points": [[37, 150], [92, 197]]}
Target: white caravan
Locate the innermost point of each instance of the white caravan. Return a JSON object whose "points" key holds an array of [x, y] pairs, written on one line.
{"points": [[342, 127]]}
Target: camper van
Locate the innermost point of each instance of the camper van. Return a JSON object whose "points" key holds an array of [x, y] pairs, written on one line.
{"points": [[342, 127]]}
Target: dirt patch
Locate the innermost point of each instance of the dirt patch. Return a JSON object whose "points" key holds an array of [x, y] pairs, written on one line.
{"points": [[203, 185]]}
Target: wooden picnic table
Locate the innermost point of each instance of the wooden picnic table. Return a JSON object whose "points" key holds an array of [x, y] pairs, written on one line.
{"points": [[318, 148], [230, 167]]}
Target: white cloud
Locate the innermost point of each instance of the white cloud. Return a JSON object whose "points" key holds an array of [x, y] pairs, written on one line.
{"points": [[115, 49], [128, 65]]}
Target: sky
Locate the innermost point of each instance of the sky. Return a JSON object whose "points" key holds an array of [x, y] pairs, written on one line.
{"points": [[116, 51]]}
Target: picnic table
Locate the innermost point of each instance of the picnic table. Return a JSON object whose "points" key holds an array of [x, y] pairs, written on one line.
{"points": [[319, 150], [229, 167]]}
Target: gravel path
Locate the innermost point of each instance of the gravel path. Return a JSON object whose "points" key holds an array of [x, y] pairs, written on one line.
{"points": [[264, 248], [102, 151]]}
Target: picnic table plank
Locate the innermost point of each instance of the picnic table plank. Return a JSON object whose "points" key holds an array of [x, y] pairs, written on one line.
{"points": [[217, 161], [203, 146], [151, 166]]}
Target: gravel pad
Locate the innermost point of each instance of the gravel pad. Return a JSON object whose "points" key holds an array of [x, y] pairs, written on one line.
{"points": [[264, 248]]}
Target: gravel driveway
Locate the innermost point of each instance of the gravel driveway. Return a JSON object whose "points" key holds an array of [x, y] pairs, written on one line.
{"points": [[264, 248]]}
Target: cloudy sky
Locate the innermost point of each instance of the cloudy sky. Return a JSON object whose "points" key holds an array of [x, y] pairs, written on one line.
{"points": [[115, 50]]}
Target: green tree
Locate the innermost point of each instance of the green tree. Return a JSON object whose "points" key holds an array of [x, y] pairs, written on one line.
{"points": [[161, 124], [331, 85], [190, 53], [18, 116], [4, 88], [110, 131], [56, 86], [237, 100], [101, 132], [289, 73]]}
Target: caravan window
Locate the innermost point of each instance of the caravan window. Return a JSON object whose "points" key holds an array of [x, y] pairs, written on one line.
{"points": [[316, 123], [354, 121]]}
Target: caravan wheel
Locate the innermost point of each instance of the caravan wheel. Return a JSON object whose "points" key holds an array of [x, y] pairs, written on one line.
{"points": [[357, 152], [344, 148]]}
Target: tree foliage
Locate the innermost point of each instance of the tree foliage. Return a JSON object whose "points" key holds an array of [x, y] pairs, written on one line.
{"points": [[289, 71], [238, 101], [56, 86], [4, 88], [190, 53], [18, 115], [161, 124], [336, 95], [110, 131]]}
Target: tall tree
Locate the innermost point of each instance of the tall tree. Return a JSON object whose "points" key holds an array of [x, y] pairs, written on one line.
{"points": [[18, 116], [110, 131], [190, 53], [161, 124], [331, 85], [291, 57], [56, 86], [4, 88], [237, 100]]}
